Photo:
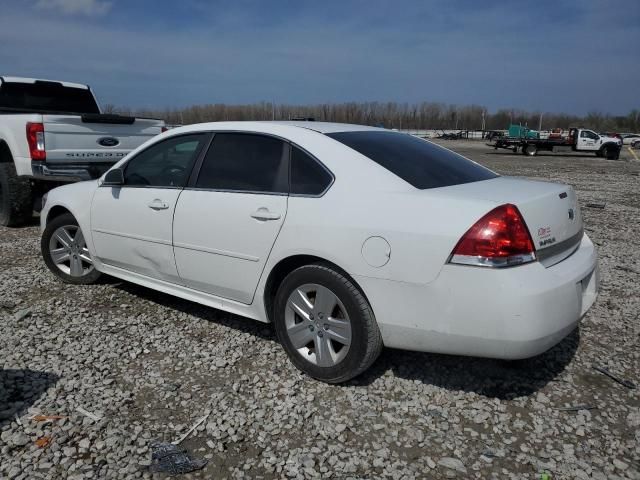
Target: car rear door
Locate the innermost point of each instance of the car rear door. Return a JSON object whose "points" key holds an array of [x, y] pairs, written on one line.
{"points": [[228, 218], [131, 224]]}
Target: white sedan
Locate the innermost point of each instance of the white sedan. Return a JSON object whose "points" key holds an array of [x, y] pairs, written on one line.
{"points": [[346, 237], [630, 138]]}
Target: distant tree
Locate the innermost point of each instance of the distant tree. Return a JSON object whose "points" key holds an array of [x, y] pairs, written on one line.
{"points": [[411, 116]]}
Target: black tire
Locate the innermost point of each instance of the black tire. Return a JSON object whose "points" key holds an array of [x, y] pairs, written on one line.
{"points": [[366, 340], [63, 221], [530, 150], [610, 153], [16, 203]]}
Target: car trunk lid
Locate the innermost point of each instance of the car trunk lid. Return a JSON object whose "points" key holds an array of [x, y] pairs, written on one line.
{"points": [[550, 211]]}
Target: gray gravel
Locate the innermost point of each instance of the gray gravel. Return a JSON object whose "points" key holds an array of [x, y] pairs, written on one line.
{"points": [[145, 366]]}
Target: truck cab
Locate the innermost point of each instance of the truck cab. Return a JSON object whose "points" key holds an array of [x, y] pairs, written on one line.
{"points": [[585, 140]]}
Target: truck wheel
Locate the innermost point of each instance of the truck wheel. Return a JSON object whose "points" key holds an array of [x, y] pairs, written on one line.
{"points": [[16, 204], [609, 153], [531, 150]]}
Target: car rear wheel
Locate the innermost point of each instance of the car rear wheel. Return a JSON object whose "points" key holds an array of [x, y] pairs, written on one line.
{"points": [[65, 251], [325, 324]]}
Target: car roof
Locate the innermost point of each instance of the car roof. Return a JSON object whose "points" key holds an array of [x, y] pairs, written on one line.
{"points": [[327, 127], [276, 127], [34, 80]]}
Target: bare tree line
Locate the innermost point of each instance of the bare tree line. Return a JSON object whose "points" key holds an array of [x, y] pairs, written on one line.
{"points": [[418, 116]]}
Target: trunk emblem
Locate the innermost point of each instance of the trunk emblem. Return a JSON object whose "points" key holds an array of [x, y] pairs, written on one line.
{"points": [[108, 141], [571, 214]]}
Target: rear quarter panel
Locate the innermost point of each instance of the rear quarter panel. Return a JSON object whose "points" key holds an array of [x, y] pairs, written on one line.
{"points": [[421, 229]]}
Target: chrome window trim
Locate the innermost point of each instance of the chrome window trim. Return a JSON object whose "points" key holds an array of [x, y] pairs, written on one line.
{"points": [[221, 190]]}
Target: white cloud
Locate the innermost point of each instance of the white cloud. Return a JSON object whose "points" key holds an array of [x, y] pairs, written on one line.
{"points": [[90, 8]]}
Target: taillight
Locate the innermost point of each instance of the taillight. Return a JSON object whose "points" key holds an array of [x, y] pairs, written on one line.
{"points": [[163, 129], [35, 139], [499, 239]]}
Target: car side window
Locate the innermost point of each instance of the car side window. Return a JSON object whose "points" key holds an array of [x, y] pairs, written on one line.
{"points": [[308, 177], [245, 162], [165, 164]]}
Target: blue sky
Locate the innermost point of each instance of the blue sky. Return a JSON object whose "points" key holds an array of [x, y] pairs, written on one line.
{"points": [[573, 56]]}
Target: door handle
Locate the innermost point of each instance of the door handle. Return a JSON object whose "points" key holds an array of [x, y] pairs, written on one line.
{"points": [[158, 205], [264, 214]]}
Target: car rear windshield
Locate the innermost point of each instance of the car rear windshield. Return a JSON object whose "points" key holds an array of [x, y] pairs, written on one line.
{"points": [[422, 164], [46, 97]]}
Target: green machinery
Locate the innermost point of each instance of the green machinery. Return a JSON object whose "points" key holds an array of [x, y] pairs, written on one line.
{"points": [[518, 131]]}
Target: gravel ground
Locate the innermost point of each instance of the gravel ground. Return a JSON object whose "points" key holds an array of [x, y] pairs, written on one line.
{"points": [[143, 366]]}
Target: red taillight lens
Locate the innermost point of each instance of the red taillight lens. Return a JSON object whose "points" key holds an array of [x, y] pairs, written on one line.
{"points": [[163, 129], [499, 239], [35, 139]]}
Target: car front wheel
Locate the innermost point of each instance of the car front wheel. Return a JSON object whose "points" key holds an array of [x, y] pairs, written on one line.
{"points": [[325, 324], [65, 251]]}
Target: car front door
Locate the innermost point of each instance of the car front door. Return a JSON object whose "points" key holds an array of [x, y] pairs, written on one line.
{"points": [[131, 224], [588, 140], [228, 218]]}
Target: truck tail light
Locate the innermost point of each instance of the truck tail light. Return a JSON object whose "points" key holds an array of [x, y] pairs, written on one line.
{"points": [[35, 139], [499, 239]]}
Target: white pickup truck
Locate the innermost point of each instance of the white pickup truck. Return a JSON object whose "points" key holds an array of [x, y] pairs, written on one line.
{"points": [[53, 133]]}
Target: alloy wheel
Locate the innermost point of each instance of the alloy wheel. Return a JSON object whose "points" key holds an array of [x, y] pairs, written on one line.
{"points": [[69, 252], [318, 325]]}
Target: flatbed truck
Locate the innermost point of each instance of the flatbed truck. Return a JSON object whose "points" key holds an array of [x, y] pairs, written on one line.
{"points": [[578, 140]]}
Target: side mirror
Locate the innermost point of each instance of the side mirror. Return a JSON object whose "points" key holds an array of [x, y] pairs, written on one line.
{"points": [[114, 177]]}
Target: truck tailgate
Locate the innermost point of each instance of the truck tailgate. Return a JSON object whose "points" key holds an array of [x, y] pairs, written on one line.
{"points": [[72, 139]]}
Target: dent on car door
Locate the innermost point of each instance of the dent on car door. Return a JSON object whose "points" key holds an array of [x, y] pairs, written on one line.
{"points": [[228, 219], [132, 224]]}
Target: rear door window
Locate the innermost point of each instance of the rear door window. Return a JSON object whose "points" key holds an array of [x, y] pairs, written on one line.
{"points": [[418, 162], [245, 162], [308, 177]]}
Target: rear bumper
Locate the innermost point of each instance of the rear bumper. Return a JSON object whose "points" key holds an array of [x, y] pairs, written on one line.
{"points": [[68, 172], [507, 313]]}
